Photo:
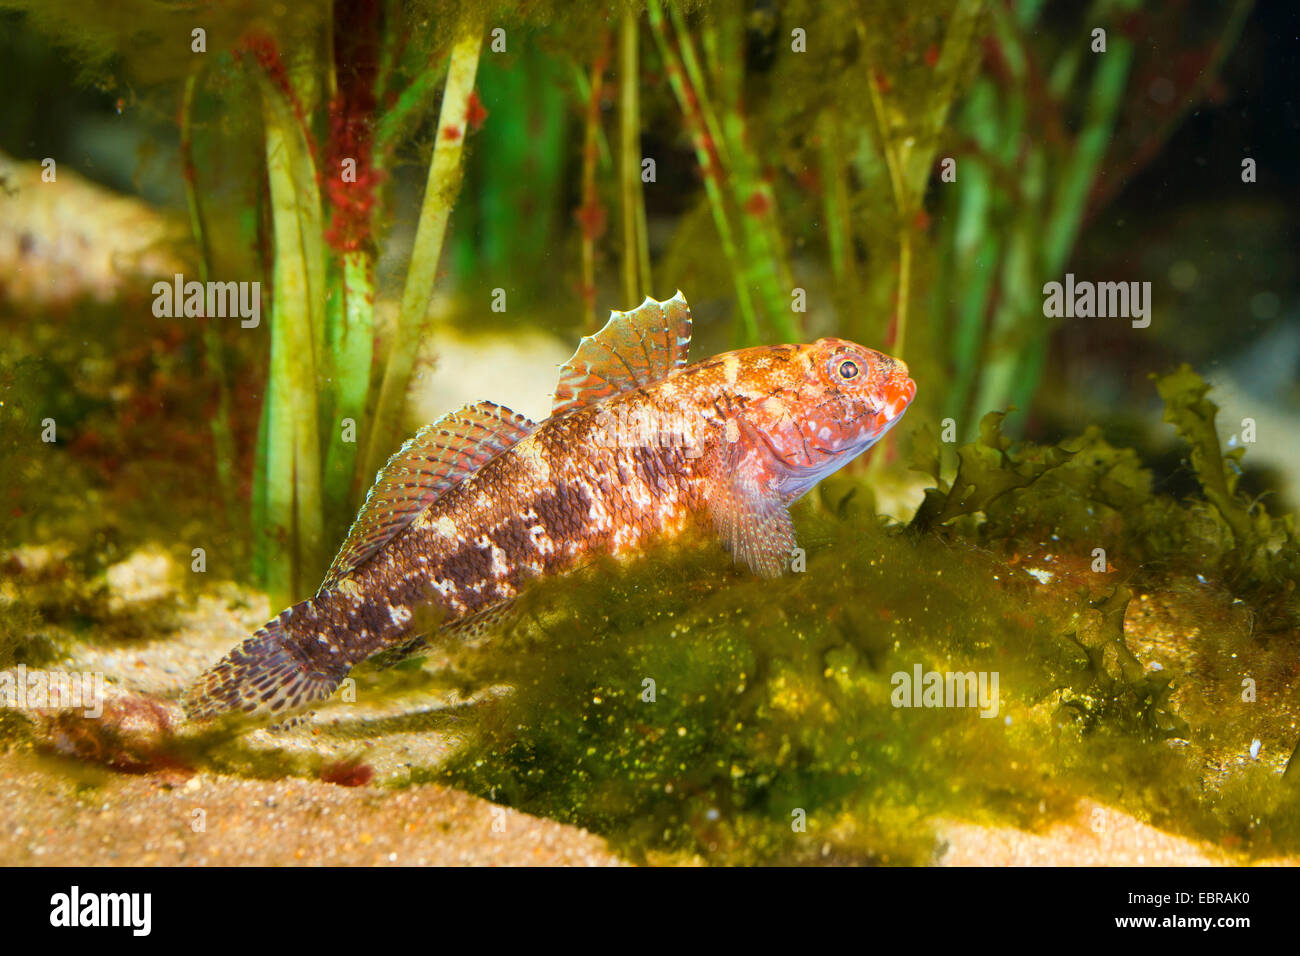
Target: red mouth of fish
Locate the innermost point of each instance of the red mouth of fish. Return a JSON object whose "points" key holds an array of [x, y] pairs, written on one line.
{"points": [[892, 398], [898, 395]]}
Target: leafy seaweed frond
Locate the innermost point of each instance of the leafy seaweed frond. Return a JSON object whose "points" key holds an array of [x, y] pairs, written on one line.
{"points": [[987, 469], [1253, 529]]}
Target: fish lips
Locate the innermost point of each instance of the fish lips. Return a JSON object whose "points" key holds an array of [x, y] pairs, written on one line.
{"points": [[898, 395], [894, 398]]}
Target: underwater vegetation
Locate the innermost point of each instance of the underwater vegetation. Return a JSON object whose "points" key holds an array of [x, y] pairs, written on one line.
{"points": [[903, 173]]}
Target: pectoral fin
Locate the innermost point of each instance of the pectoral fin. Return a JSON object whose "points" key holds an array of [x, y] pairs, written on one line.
{"points": [[752, 521]]}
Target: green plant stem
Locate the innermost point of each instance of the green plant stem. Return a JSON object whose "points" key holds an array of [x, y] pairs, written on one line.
{"points": [[695, 76], [445, 173], [223, 441], [591, 210], [411, 105], [1042, 240], [1071, 196], [898, 189], [905, 236], [391, 40], [958, 45], [764, 260], [972, 284], [839, 221], [709, 168], [265, 545], [583, 87], [636, 257], [351, 352], [293, 443], [909, 165]]}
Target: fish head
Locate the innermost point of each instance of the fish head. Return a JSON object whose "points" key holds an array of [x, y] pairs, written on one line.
{"points": [[827, 403]]}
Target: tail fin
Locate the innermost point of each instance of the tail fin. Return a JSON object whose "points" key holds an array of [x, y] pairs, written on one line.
{"points": [[269, 674]]}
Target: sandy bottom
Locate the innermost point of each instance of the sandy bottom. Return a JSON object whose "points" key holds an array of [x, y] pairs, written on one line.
{"points": [[167, 820]]}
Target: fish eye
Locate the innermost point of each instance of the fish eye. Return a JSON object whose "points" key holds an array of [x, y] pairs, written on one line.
{"points": [[848, 369]]}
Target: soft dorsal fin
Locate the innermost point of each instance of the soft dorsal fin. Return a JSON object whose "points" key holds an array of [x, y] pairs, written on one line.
{"points": [[437, 458], [634, 348]]}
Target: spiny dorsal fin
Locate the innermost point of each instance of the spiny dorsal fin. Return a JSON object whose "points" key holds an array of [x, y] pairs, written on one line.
{"points": [[437, 458], [634, 348]]}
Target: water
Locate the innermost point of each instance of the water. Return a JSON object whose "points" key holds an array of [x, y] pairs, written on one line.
{"points": [[240, 266]]}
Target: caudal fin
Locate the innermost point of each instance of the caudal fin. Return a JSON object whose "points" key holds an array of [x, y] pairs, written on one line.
{"points": [[269, 674]]}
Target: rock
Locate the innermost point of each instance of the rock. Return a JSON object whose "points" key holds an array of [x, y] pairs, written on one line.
{"points": [[147, 576]]}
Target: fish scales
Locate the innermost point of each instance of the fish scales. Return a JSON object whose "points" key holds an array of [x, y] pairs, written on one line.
{"points": [[639, 447]]}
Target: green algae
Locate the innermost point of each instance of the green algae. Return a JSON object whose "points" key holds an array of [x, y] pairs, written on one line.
{"points": [[21, 637], [22, 640], [1086, 491], [761, 714], [1264, 550]]}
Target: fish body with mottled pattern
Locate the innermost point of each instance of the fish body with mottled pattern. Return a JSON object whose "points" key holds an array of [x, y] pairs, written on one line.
{"points": [[639, 446]]}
